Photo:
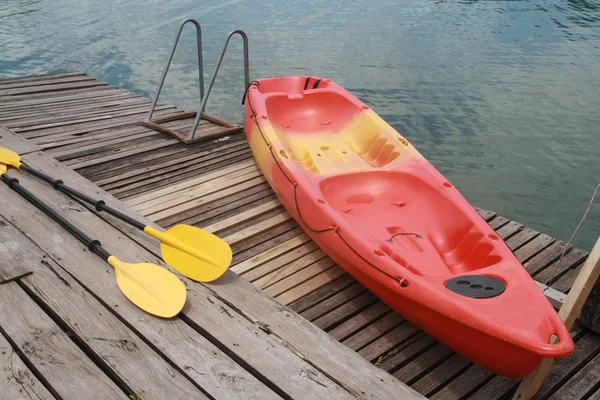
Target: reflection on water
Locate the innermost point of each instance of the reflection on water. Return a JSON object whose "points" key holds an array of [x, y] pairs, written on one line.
{"points": [[501, 96]]}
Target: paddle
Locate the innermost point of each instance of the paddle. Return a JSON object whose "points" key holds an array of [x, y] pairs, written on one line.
{"points": [[148, 286], [192, 251]]}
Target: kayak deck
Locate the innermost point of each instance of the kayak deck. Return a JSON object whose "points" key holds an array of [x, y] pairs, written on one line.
{"points": [[273, 252]]}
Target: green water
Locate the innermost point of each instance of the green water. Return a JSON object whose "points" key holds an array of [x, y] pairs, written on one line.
{"points": [[503, 97]]}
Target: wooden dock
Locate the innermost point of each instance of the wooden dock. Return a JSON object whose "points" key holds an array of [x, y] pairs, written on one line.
{"points": [[96, 131]]}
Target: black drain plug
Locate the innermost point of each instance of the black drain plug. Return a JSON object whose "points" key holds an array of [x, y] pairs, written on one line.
{"points": [[476, 286]]}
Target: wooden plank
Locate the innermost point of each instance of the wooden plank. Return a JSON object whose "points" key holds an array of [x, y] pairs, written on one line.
{"points": [[51, 110], [151, 198], [170, 179], [302, 256], [555, 270], [269, 276], [582, 384], [169, 176], [42, 77], [263, 242], [16, 379], [252, 310], [359, 321], [555, 297], [228, 206], [182, 212], [545, 258], [210, 184], [185, 162], [65, 99], [510, 229], [243, 217], [323, 293], [15, 142], [4, 94], [43, 120], [498, 222], [69, 142], [10, 246], [529, 250], [407, 351], [568, 313], [385, 343], [312, 284], [112, 157], [257, 229], [521, 238], [464, 385], [95, 146], [486, 214], [350, 292], [132, 360], [438, 378], [272, 253], [165, 163], [49, 350], [50, 95], [292, 278], [55, 80], [344, 311], [86, 127], [374, 332], [426, 361]]}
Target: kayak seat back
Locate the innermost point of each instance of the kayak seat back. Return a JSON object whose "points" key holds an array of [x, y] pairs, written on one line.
{"points": [[326, 132]]}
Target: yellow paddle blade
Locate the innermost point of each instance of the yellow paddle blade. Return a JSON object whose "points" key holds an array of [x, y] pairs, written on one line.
{"points": [[150, 287], [2, 169], [194, 252], [9, 157]]}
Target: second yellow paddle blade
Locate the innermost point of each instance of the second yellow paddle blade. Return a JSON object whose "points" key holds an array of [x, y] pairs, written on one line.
{"points": [[153, 289], [205, 243], [9, 157]]}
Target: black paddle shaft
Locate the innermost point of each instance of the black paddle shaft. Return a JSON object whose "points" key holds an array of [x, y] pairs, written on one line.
{"points": [[93, 245], [99, 205]]}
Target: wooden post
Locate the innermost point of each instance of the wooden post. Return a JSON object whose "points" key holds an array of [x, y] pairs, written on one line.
{"points": [[568, 312]]}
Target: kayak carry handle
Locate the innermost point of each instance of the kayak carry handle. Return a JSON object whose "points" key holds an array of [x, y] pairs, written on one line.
{"points": [[561, 344]]}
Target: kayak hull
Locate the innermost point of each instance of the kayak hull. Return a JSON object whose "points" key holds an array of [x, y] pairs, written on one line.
{"points": [[373, 203]]}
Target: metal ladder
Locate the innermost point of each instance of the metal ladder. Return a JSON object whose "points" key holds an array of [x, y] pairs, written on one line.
{"points": [[203, 97]]}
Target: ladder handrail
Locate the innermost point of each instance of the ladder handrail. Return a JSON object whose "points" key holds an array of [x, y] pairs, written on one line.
{"points": [[216, 70], [168, 64]]}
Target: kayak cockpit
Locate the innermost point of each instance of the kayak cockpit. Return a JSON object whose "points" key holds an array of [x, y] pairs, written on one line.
{"points": [[411, 220]]}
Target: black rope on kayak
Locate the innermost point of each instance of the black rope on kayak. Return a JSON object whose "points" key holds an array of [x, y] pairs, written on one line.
{"points": [[403, 283], [316, 85], [404, 234], [253, 83], [306, 83]]}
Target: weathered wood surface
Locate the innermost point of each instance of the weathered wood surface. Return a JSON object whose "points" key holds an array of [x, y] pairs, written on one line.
{"points": [[302, 361], [269, 248], [49, 350], [12, 249], [16, 379], [114, 345], [16, 143]]}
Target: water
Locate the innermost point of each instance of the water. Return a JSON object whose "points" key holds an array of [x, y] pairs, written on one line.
{"points": [[501, 96]]}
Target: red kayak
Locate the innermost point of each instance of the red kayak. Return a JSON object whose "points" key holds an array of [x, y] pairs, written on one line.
{"points": [[378, 208]]}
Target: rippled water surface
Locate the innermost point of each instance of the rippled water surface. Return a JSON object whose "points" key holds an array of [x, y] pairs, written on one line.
{"points": [[503, 97]]}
